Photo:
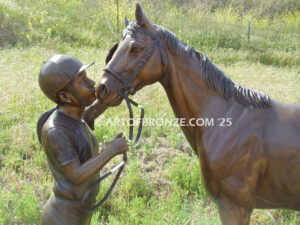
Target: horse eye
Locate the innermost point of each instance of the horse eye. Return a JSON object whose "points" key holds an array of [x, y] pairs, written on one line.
{"points": [[135, 49]]}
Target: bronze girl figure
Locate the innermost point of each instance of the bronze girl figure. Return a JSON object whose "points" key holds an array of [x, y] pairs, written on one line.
{"points": [[70, 145]]}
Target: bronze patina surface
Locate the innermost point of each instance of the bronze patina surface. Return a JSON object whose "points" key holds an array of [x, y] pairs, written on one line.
{"points": [[253, 161], [70, 145]]}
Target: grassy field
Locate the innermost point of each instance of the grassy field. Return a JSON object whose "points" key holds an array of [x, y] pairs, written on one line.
{"points": [[161, 183]]}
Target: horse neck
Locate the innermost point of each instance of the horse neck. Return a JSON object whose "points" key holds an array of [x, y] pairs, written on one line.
{"points": [[188, 94]]}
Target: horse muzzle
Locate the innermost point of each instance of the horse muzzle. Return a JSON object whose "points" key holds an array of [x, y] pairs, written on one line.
{"points": [[106, 96], [102, 91]]}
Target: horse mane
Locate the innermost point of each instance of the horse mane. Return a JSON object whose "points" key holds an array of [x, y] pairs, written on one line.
{"points": [[225, 87], [214, 78]]}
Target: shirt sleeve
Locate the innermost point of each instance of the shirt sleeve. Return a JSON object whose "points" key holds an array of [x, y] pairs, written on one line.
{"points": [[60, 146]]}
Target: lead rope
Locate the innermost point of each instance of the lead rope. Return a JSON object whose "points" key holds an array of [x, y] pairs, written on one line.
{"points": [[128, 103], [121, 165]]}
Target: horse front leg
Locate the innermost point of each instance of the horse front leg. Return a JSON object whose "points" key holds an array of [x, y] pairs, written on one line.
{"points": [[92, 112], [232, 213]]}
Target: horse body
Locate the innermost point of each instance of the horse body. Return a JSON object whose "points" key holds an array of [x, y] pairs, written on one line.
{"points": [[281, 187], [240, 159], [222, 151], [250, 155]]}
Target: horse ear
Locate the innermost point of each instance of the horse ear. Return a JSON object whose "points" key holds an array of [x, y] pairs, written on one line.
{"points": [[126, 21], [142, 19]]}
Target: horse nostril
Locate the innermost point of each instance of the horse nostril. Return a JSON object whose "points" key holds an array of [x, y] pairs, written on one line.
{"points": [[102, 91]]}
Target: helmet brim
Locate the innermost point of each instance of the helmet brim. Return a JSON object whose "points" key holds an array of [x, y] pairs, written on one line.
{"points": [[84, 67]]}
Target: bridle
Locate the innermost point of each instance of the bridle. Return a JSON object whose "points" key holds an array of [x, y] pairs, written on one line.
{"points": [[126, 87], [125, 90]]}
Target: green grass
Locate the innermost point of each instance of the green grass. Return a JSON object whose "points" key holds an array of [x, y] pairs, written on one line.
{"points": [[162, 181]]}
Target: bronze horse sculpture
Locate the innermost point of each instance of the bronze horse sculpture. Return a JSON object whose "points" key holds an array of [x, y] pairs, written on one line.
{"points": [[254, 162]]}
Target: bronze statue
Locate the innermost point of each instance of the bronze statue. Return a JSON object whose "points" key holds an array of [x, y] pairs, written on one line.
{"points": [[70, 146], [250, 157]]}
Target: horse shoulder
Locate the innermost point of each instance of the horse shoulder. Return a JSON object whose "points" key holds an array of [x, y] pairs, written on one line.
{"points": [[234, 157]]}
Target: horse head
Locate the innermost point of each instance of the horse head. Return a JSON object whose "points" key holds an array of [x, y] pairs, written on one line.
{"points": [[136, 61]]}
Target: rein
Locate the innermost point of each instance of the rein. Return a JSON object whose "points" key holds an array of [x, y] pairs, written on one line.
{"points": [[124, 92], [119, 167]]}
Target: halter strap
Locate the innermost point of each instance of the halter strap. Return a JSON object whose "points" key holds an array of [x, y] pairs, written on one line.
{"points": [[148, 52], [128, 82], [115, 75]]}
